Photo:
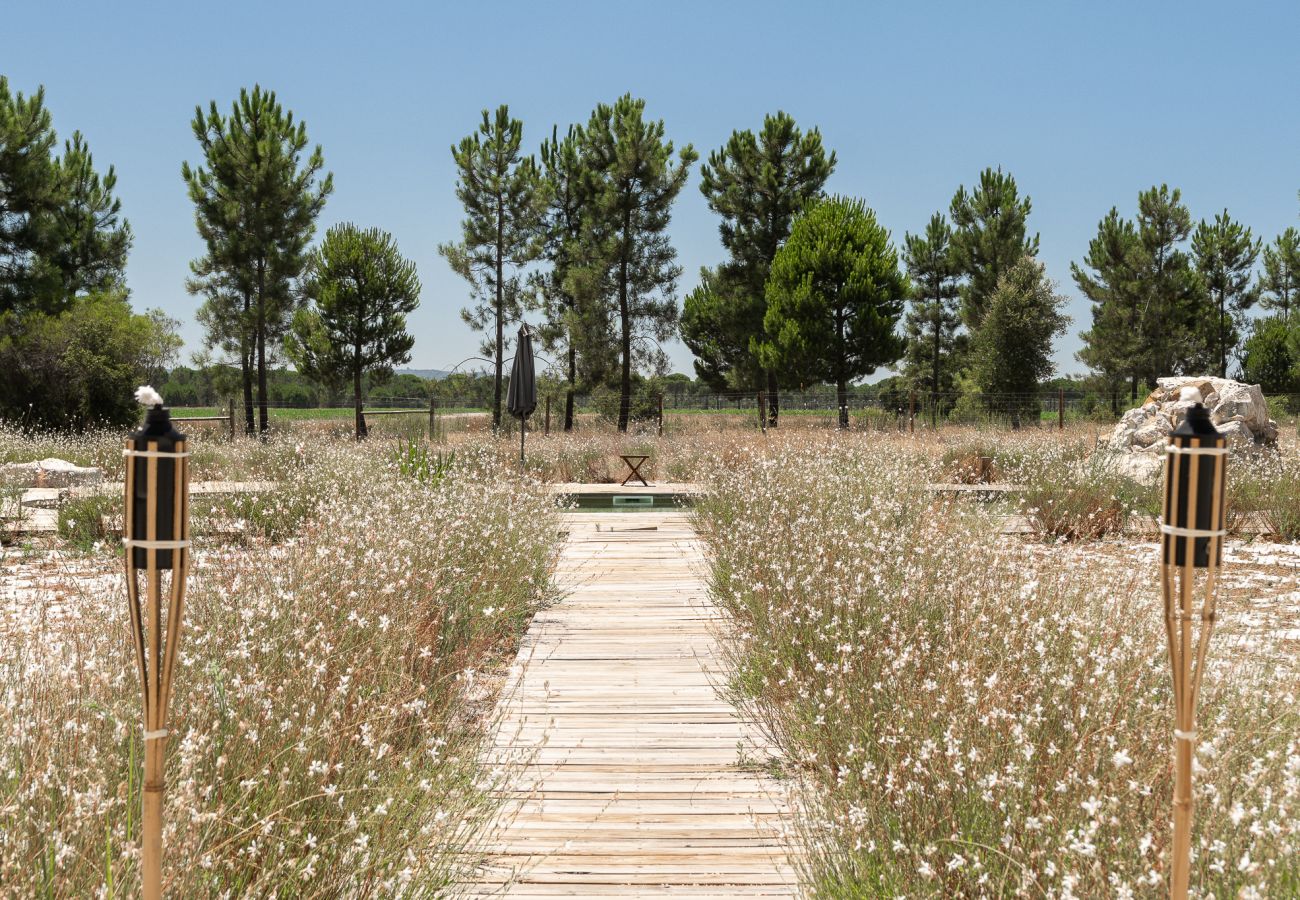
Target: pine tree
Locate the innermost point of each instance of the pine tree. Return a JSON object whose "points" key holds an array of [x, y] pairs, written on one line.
{"points": [[1280, 284], [504, 194], [572, 301], [834, 296], [29, 191], [626, 236], [1147, 297], [256, 197], [1112, 348], [1013, 349], [933, 345], [361, 289], [989, 237], [758, 185], [91, 239], [1225, 258], [62, 235]]}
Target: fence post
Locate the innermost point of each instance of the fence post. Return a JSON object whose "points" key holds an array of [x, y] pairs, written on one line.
{"points": [[762, 419], [230, 412], [934, 411], [1060, 409], [433, 419], [661, 415], [911, 413]]}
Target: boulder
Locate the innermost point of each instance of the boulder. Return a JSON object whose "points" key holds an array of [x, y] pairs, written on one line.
{"points": [[1238, 411], [49, 473]]}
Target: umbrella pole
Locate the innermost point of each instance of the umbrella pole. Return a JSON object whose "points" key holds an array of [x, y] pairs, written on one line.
{"points": [[523, 427]]}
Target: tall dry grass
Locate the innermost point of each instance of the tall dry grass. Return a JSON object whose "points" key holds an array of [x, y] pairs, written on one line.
{"points": [[970, 715], [330, 696]]}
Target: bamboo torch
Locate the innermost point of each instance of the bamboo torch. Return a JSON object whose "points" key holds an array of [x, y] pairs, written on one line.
{"points": [[1192, 545], [156, 537]]}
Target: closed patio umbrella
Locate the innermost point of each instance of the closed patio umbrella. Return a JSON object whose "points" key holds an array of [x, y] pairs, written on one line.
{"points": [[521, 397]]}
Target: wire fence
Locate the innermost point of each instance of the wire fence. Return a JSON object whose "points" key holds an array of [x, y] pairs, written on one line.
{"points": [[677, 410]]}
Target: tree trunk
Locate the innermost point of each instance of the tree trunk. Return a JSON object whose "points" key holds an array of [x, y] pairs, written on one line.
{"points": [[501, 312], [773, 399], [356, 401], [573, 380], [246, 364], [625, 386], [263, 425]]}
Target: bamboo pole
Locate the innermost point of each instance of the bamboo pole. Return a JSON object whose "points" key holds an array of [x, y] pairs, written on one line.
{"points": [[156, 623], [1196, 452]]}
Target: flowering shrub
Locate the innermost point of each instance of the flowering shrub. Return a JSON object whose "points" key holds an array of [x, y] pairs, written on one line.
{"points": [[329, 699], [970, 715]]}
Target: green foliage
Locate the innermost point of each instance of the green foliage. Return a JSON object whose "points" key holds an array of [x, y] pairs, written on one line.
{"points": [[1280, 284], [571, 293], [833, 298], [77, 369], [1225, 259], [758, 185], [81, 521], [256, 196], [989, 237], [62, 235], [1013, 348], [934, 349], [362, 289], [625, 238], [1270, 356], [1146, 295], [413, 460], [504, 194]]}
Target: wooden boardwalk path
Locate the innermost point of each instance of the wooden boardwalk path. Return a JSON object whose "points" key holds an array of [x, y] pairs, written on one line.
{"points": [[629, 778]]}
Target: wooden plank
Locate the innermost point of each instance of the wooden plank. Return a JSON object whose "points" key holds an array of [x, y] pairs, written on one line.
{"points": [[627, 776]]}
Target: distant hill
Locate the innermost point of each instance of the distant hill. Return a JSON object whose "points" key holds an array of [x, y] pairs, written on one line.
{"points": [[434, 374]]}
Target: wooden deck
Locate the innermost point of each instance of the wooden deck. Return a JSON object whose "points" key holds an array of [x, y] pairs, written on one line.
{"points": [[628, 774]]}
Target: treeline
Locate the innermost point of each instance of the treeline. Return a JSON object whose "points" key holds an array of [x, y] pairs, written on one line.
{"points": [[811, 290]]}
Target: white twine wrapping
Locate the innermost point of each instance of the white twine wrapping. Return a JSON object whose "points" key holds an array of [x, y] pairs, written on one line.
{"points": [[154, 545], [159, 454], [155, 735], [1194, 532], [1184, 735], [1197, 451]]}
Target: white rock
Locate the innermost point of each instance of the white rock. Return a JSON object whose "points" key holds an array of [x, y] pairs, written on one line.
{"points": [[1144, 468], [1229, 402], [50, 473], [1238, 434]]}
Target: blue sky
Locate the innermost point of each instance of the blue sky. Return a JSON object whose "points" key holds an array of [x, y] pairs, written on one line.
{"points": [[1085, 103]]}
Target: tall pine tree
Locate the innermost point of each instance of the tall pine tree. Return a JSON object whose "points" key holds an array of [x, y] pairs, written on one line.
{"points": [[1225, 255], [933, 344], [1280, 284], [834, 295], [990, 236], [626, 236], [503, 193], [256, 197], [572, 291], [362, 289], [758, 184], [1146, 294]]}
